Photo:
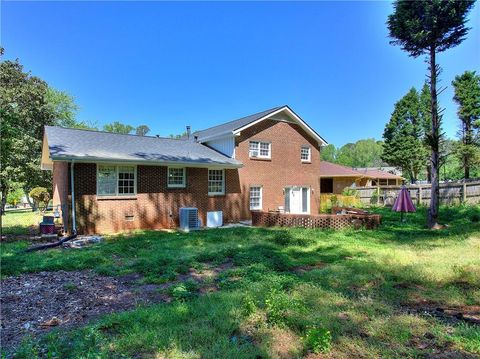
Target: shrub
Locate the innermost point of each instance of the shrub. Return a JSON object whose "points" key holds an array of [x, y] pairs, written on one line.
{"points": [[40, 195], [318, 340], [15, 196], [348, 191]]}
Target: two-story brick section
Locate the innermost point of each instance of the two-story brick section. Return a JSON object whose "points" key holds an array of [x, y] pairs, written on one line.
{"points": [[268, 161]]}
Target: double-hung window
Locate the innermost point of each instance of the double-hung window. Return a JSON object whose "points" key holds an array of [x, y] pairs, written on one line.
{"points": [[176, 177], [259, 149], [116, 180], [255, 197], [216, 182], [305, 154]]}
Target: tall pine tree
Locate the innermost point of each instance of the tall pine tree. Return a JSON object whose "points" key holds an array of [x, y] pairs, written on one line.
{"points": [[428, 28], [467, 96], [403, 136]]}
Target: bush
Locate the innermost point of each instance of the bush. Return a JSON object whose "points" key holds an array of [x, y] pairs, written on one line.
{"points": [[348, 191], [40, 195], [15, 196], [318, 340]]}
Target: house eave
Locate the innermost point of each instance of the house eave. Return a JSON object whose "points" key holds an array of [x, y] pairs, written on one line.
{"points": [[89, 159]]}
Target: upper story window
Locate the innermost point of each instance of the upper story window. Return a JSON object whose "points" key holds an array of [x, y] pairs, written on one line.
{"points": [[176, 177], [116, 180], [259, 149], [216, 182], [306, 154]]}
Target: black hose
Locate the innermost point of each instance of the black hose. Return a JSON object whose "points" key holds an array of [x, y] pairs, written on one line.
{"points": [[52, 245]]}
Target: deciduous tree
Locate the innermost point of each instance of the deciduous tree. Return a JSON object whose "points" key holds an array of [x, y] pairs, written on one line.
{"points": [[142, 130], [118, 127]]}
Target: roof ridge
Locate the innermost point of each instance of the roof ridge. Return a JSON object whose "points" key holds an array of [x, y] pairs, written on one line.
{"points": [[241, 118], [114, 133]]}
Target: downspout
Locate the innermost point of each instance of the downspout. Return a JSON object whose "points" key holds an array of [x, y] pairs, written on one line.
{"points": [[74, 226]]}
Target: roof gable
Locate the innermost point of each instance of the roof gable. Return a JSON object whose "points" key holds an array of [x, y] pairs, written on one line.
{"points": [[236, 126]]}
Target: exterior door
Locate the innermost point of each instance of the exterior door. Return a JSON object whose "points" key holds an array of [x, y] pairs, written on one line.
{"points": [[297, 200]]}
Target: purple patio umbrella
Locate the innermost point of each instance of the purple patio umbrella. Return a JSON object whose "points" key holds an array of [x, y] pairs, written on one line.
{"points": [[403, 203]]}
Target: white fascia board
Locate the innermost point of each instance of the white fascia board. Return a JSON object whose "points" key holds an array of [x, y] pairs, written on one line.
{"points": [[302, 124]]}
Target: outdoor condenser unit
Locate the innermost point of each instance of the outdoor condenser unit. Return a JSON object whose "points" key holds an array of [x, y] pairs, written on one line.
{"points": [[189, 219]]}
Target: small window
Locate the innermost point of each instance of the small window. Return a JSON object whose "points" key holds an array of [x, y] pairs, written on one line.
{"points": [[305, 153], [116, 180], [260, 149], [255, 197], [216, 182], [176, 177]]}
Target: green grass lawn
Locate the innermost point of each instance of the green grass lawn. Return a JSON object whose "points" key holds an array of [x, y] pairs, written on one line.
{"points": [[354, 298], [21, 221]]}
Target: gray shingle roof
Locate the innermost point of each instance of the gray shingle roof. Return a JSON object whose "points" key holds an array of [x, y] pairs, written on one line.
{"points": [[67, 143], [233, 125]]}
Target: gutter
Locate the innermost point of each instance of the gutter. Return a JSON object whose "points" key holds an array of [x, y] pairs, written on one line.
{"points": [[72, 185], [147, 162]]}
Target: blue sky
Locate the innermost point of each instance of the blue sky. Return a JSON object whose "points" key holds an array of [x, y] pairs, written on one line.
{"points": [[171, 64]]}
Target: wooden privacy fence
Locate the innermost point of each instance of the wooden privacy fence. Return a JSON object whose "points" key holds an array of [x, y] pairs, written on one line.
{"points": [[450, 193]]}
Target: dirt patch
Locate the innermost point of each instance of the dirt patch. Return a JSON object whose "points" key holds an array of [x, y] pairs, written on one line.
{"points": [[452, 314], [308, 268], [34, 303]]}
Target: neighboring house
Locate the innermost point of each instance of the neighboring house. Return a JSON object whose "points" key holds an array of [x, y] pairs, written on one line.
{"points": [[335, 178], [266, 161]]}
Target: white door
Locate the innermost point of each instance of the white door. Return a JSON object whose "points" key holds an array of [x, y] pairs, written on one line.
{"points": [[298, 200]]}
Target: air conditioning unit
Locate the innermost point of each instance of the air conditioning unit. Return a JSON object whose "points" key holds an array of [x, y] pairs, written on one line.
{"points": [[253, 153], [189, 219]]}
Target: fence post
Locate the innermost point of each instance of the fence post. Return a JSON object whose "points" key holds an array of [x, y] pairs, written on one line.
{"points": [[464, 192], [378, 195], [419, 195]]}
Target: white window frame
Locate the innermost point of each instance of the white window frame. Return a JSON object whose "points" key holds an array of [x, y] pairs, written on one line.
{"points": [[259, 145], [260, 205], [305, 147], [223, 182], [118, 179], [184, 178]]}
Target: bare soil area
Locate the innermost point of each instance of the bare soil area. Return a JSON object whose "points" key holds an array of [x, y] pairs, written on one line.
{"points": [[34, 303]]}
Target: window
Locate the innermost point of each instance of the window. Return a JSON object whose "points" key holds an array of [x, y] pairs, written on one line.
{"points": [[260, 149], [126, 180], [107, 180], [305, 154], [255, 197], [116, 180], [176, 177], [216, 182]]}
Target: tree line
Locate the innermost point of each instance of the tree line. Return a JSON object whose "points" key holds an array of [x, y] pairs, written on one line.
{"points": [[28, 103]]}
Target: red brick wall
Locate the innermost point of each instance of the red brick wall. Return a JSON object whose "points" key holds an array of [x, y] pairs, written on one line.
{"points": [[284, 168], [60, 179], [155, 206]]}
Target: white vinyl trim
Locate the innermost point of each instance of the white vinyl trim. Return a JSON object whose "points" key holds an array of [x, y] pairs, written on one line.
{"points": [[117, 179]]}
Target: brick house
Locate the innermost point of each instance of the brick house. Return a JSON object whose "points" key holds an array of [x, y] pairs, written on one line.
{"points": [[266, 161]]}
